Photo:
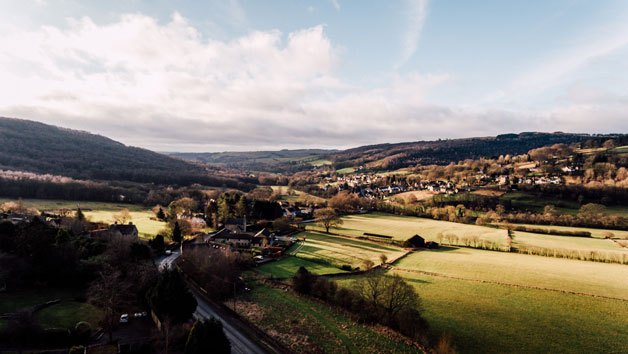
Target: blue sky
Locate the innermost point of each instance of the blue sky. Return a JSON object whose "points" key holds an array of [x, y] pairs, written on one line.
{"points": [[250, 75]]}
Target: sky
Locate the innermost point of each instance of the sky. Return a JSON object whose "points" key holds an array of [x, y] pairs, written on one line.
{"points": [[239, 75]]}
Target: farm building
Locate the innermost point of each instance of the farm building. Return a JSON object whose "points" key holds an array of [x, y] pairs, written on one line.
{"points": [[415, 241]]}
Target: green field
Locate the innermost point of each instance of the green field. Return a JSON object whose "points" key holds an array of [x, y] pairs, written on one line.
{"points": [[66, 314], [48, 205], [490, 318], [344, 171], [296, 195], [403, 227], [592, 278], [325, 254], [288, 266], [487, 301], [320, 162], [338, 251], [147, 225], [566, 242], [62, 315], [597, 233], [309, 326], [102, 212]]}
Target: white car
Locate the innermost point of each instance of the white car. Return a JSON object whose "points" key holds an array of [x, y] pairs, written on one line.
{"points": [[124, 318], [168, 252]]}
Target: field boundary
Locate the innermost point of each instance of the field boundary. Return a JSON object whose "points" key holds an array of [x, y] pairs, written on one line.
{"points": [[530, 287]]}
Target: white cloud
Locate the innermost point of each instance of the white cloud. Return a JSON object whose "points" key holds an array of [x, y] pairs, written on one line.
{"points": [[169, 87], [416, 13]]}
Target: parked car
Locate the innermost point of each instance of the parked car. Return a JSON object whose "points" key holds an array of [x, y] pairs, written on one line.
{"points": [[168, 252], [124, 318]]}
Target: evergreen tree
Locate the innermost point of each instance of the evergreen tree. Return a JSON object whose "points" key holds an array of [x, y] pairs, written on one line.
{"points": [[158, 244], [176, 233], [160, 214], [79, 215], [207, 336]]}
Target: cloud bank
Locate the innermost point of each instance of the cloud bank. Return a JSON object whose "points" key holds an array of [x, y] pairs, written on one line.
{"points": [[168, 87]]}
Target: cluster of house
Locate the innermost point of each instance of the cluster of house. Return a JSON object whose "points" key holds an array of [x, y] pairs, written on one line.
{"points": [[15, 218], [101, 230], [362, 184], [236, 235], [295, 210]]}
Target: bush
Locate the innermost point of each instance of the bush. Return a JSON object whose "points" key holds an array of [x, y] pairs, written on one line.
{"points": [[302, 281]]}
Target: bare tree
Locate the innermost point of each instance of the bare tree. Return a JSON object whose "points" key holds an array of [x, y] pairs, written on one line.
{"points": [[122, 217], [383, 258], [109, 292], [328, 218]]}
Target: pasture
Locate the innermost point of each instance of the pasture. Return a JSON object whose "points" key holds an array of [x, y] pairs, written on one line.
{"points": [[494, 302], [565, 242], [600, 279], [419, 195], [62, 315], [597, 233], [309, 326], [141, 216], [147, 225], [288, 266], [292, 195], [338, 251], [326, 254], [402, 228]]}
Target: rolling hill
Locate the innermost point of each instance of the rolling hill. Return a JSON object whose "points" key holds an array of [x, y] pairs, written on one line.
{"points": [[266, 161], [440, 152], [385, 156], [45, 149]]}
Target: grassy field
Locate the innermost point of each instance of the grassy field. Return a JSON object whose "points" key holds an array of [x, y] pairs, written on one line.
{"points": [[596, 233], [419, 195], [592, 278], [146, 227], [62, 315], [296, 195], [66, 314], [102, 212], [288, 266], [48, 205], [338, 251], [565, 242], [403, 227], [344, 171], [320, 162], [466, 295], [325, 254], [490, 318], [305, 325]]}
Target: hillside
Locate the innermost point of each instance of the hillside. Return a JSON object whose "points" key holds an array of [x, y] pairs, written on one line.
{"points": [[393, 156], [46, 149], [266, 161], [384, 156]]}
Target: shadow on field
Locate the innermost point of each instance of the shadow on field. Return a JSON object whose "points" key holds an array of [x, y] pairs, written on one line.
{"points": [[418, 281]]}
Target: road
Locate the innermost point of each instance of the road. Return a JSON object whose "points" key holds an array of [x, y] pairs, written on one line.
{"points": [[240, 342]]}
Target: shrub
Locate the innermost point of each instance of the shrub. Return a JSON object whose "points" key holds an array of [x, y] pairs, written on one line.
{"points": [[302, 281]]}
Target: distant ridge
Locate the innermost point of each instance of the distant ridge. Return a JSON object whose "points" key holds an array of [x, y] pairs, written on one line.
{"points": [[393, 156], [45, 149], [386, 156]]}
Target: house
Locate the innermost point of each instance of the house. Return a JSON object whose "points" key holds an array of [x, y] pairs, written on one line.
{"points": [[263, 238], [415, 241], [241, 240], [129, 230], [236, 224]]}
